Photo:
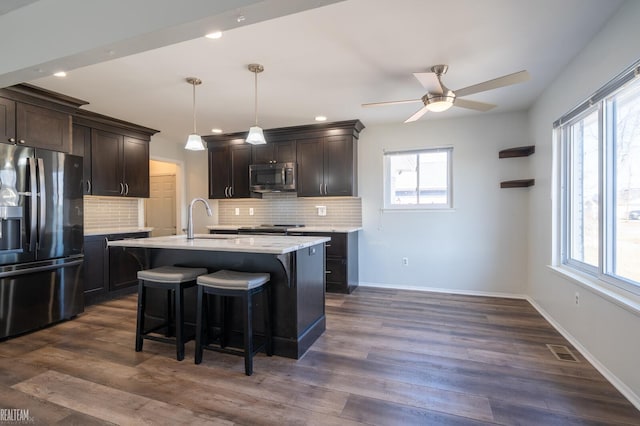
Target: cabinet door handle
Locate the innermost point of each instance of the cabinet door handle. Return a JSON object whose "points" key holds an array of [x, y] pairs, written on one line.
{"points": [[21, 141], [327, 245], [106, 243], [231, 192], [226, 195], [320, 189], [89, 186], [121, 189], [126, 186], [327, 272], [325, 189], [12, 140]]}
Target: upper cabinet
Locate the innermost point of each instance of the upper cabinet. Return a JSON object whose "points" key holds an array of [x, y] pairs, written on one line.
{"points": [[274, 152], [327, 166], [35, 117], [326, 155], [116, 155], [229, 171]]}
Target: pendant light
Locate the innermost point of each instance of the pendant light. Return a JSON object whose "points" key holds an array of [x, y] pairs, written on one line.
{"points": [[256, 136], [194, 142]]}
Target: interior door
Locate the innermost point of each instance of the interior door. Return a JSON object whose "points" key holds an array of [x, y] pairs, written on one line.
{"points": [[160, 207]]}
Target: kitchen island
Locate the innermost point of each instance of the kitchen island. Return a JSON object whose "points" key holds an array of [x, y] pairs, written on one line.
{"points": [[296, 265]]}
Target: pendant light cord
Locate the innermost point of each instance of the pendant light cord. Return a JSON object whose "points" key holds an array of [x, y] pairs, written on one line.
{"points": [[194, 108], [256, 99]]}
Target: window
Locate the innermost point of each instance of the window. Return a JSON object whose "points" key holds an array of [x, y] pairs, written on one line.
{"points": [[600, 189], [418, 179]]}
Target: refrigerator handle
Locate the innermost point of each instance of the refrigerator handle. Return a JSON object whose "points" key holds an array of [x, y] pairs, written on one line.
{"points": [[42, 199], [33, 209]]}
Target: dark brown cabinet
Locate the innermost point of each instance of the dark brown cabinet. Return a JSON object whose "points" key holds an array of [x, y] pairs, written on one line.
{"points": [[119, 165], [275, 152], [341, 266], [95, 268], [81, 145], [229, 171], [111, 271], [327, 166], [116, 155], [326, 155], [32, 125]]}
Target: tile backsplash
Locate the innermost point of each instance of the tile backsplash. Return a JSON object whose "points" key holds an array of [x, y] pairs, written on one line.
{"points": [[110, 212], [280, 208]]}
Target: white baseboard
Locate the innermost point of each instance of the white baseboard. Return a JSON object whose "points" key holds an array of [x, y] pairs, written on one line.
{"points": [[445, 290], [612, 378]]}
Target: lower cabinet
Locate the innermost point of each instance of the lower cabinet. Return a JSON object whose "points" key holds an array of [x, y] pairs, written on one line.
{"points": [[341, 269], [111, 272]]}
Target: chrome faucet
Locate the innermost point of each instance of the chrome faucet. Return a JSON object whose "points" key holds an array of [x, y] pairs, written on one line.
{"points": [[190, 219]]}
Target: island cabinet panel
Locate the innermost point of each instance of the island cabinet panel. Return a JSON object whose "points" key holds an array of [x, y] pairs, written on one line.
{"points": [[274, 152], [229, 171]]}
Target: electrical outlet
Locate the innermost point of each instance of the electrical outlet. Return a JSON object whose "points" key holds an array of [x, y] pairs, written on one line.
{"points": [[577, 298], [322, 210], [250, 211], [237, 211], [405, 261]]}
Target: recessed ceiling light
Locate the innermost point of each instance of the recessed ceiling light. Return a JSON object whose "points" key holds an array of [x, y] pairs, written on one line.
{"points": [[321, 118], [60, 74], [217, 131], [214, 35]]}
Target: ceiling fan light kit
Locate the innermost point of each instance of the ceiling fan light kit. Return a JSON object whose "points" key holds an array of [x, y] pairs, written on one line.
{"points": [[256, 135], [194, 141], [439, 98]]}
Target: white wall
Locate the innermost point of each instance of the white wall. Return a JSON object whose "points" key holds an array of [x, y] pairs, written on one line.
{"points": [[606, 330], [478, 247]]}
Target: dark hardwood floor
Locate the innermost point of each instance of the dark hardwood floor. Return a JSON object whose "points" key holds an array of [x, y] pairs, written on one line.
{"points": [[388, 357]]}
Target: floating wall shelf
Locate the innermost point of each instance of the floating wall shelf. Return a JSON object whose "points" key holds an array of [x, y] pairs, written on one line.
{"points": [[520, 183], [521, 151]]}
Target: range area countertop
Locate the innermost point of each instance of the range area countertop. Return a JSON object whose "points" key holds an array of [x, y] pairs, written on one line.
{"points": [[107, 231], [339, 229], [266, 244]]}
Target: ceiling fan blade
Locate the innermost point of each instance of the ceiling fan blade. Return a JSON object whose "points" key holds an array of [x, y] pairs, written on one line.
{"points": [[478, 106], [429, 81], [375, 104], [505, 80], [417, 115]]}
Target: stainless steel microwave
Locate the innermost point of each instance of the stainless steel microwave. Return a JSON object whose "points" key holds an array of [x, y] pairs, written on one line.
{"points": [[275, 177]]}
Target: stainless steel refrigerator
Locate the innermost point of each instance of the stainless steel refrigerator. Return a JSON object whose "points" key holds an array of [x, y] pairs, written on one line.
{"points": [[41, 238]]}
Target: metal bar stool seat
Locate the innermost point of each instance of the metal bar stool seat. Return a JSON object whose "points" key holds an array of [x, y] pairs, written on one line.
{"points": [[243, 285], [174, 280]]}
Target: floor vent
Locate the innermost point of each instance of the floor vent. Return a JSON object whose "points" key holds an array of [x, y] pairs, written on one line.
{"points": [[562, 353]]}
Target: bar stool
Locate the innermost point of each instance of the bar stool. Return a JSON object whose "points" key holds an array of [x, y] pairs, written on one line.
{"points": [[243, 285], [174, 280]]}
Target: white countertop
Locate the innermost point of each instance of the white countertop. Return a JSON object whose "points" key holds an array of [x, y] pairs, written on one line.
{"points": [[318, 228], [229, 243], [105, 231]]}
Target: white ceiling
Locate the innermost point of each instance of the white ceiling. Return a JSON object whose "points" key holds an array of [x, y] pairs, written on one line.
{"points": [[331, 59]]}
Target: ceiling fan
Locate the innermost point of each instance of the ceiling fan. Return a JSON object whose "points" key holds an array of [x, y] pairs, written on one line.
{"points": [[440, 98]]}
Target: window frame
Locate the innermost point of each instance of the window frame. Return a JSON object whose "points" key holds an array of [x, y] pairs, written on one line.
{"points": [[386, 176], [603, 103]]}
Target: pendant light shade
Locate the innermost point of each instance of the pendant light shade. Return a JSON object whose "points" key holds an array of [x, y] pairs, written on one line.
{"points": [[194, 141], [256, 136]]}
